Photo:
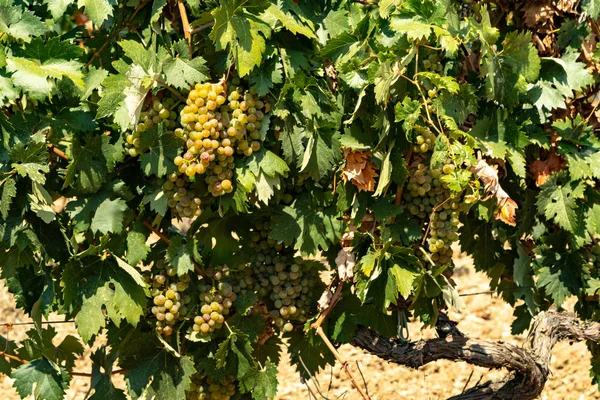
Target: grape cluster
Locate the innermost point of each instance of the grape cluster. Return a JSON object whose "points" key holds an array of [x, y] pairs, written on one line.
{"points": [[204, 388], [169, 298], [157, 111], [215, 303], [593, 262], [428, 197], [424, 140], [181, 198], [280, 279], [215, 127], [432, 63]]}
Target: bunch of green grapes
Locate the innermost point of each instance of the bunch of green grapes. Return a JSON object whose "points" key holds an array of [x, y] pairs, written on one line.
{"points": [[593, 262], [169, 298], [215, 303], [290, 188], [433, 63], [157, 111], [181, 198], [429, 199], [215, 127], [280, 279], [204, 388], [424, 140]]}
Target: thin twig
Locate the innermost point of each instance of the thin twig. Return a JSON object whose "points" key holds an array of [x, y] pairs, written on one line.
{"points": [[187, 31], [467, 382], [334, 299], [58, 151], [203, 27], [344, 364], [33, 323], [398, 198], [115, 33], [175, 92], [363, 378], [158, 233]]}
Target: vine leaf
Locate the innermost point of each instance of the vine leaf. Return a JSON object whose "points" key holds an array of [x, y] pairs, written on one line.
{"points": [[98, 287], [31, 161], [97, 10], [163, 148], [557, 201], [9, 190], [306, 226], [101, 382], [18, 22], [180, 255], [238, 28], [42, 378]]}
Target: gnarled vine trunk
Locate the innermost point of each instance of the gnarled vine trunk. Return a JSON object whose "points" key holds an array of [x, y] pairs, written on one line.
{"points": [[528, 365]]}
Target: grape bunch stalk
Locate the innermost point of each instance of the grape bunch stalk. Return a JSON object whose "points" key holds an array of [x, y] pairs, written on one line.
{"points": [[215, 127], [157, 111], [169, 298]]}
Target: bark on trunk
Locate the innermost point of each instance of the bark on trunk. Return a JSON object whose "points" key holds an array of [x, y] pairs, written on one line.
{"points": [[528, 366]]}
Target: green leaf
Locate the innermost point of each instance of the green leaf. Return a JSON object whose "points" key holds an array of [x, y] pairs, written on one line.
{"points": [[264, 382], [34, 77], [559, 274], [293, 23], [179, 255], [477, 239], [100, 287], [18, 22], [58, 7], [239, 29], [407, 112], [137, 248], [591, 8], [384, 79], [41, 378], [97, 10], [101, 381], [31, 161], [92, 162], [109, 216], [9, 190], [307, 227], [321, 154], [182, 72], [158, 375], [309, 348], [163, 148], [557, 201]]}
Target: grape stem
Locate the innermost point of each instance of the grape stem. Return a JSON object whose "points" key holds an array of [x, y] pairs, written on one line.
{"points": [[187, 30], [317, 326], [431, 216], [175, 92], [58, 151], [344, 364]]}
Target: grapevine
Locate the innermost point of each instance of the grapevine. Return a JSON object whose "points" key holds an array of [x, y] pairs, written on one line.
{"points": [[200, 186]]}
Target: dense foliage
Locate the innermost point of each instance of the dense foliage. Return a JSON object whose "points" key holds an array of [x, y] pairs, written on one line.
{"points": [[189, 177]]}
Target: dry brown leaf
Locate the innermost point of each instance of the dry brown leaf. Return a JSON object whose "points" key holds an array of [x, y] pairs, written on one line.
{"points": [[538, 13], [542, 169], [359, 170], [325, 300], [507, 207], [345, 263], [507, 212], [567, 6]]}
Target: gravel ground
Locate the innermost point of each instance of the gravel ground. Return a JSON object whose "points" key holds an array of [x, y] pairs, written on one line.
{"points": [[486, 317]]}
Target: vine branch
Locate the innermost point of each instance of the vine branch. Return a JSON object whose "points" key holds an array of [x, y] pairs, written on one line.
{"points": [[528, 366]]}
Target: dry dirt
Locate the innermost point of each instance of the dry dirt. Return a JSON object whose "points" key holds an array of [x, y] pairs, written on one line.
{"points": [[486, 317]]}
